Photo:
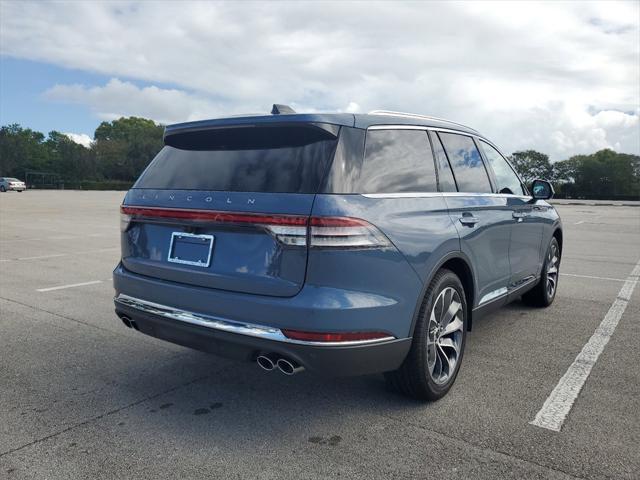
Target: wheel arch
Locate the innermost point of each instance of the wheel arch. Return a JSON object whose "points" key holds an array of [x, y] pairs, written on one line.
{"points": [[557, 234], [459, 264]]}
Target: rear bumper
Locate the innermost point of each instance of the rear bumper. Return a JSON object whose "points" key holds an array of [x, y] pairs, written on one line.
{"points": [[246, 341]]}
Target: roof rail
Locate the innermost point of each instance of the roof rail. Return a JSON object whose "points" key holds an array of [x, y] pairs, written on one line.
{"points": [[415, 115]]}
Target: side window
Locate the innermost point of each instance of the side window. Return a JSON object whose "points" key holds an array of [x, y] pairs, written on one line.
{"points": [[347, 162], [466, 162], [508, 181], [397, 161], [445, 177]]}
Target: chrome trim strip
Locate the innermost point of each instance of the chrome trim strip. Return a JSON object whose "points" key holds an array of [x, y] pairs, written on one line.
{"points": [[441, 194], [403, 195], [506, 291], [240, 328], [398, 127], [493, 295], [417, 115], [425, 128]]}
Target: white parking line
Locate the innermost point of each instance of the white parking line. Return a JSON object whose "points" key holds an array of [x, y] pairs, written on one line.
{"points": [[593, 277], [580, 222], [558, 405], [58, 237], [73, 285], [39, 257], [56, 255]]}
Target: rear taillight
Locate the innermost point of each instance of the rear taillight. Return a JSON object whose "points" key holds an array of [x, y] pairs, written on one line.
{"points": [[345, 232], [337, 337], [331, 232], [125, 220], [289, 235], [293, 230]]}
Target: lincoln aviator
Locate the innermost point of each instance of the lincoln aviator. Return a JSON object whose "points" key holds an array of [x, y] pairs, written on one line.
{"points": [[339, 244]]}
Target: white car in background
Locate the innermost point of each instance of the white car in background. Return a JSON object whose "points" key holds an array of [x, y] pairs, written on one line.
{"points": [[8, 183]]}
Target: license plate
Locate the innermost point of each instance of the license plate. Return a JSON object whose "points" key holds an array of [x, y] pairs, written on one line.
{"points": [[190, 249]]}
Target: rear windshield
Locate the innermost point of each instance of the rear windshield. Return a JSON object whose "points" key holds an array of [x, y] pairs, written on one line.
{"points": [[259, 159]]}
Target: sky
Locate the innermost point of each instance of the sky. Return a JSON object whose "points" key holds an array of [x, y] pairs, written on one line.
{"points": [[560, 78]]}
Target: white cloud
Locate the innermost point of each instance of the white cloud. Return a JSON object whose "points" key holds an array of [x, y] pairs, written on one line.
{"points": [[118, 98], [81, 138], [562, 78]]}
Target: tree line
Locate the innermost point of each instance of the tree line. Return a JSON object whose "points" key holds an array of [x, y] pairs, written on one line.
{"points": [[121, 149], [602, 175]]}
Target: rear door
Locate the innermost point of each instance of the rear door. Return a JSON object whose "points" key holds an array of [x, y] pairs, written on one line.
{"points": [[483, 219], [228, 208], [526, 235]]}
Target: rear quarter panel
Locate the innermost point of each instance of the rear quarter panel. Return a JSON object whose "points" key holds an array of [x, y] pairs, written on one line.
{"points": [[422, 234]]}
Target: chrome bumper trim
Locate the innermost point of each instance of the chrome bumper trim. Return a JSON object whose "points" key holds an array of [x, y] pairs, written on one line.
{"points": [[240, 328]]}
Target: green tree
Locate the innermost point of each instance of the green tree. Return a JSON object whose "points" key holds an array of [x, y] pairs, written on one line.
{"points": [[606, 174], [565, 171], [124, 147], [531, 165], [72, 161], [21, 149]]}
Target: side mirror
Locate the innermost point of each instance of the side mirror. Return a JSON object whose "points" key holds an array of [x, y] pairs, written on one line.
{"points": [[542, 190]]}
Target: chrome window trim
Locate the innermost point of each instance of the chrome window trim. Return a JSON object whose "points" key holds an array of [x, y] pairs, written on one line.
{"points": [[476, 136], [240, 328], [441, 194], [417, 115], [402, 195], [425, 128], [396, 127]]}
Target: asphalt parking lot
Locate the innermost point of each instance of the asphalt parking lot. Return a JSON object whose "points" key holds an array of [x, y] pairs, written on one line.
{"points": [[81, 396]]}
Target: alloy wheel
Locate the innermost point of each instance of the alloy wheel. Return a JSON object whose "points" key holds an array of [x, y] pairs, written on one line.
{"points": [[444, 337], [552, 270]]}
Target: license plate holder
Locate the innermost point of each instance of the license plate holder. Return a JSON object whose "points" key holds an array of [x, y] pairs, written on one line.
{"points": [[190, 249]]}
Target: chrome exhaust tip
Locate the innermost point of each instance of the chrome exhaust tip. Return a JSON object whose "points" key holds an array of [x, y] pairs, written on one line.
{"points": [[266, 362], [289, 367], [126, 320]]}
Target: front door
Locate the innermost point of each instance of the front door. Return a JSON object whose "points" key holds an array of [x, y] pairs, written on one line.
{"points": [[483, 219], [526, 232]]}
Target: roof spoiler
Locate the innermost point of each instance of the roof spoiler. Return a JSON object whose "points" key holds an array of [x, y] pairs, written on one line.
{"points": [[281, 109]]}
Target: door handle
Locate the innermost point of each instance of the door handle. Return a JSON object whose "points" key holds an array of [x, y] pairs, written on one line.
{"points": [[468, 220], [520, 216]]}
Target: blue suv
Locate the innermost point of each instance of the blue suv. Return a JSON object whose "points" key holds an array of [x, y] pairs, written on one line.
{"points": [[338, 243]]}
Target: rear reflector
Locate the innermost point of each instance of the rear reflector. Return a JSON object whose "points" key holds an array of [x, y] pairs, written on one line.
{"points": [[323, 232], [335, 337]]}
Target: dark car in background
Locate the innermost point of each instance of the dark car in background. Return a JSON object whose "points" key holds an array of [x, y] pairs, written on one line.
{"points": [[338, 243], [9, 183]]}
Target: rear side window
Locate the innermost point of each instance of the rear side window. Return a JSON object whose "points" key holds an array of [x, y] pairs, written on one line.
{"points": [[446, 182], [508, 181], [255, 159], [397, 161], [466, 162]]}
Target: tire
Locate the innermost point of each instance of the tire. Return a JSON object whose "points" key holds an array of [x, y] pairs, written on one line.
{"points": [[543, 294], [2, 189], [425, 374]]}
